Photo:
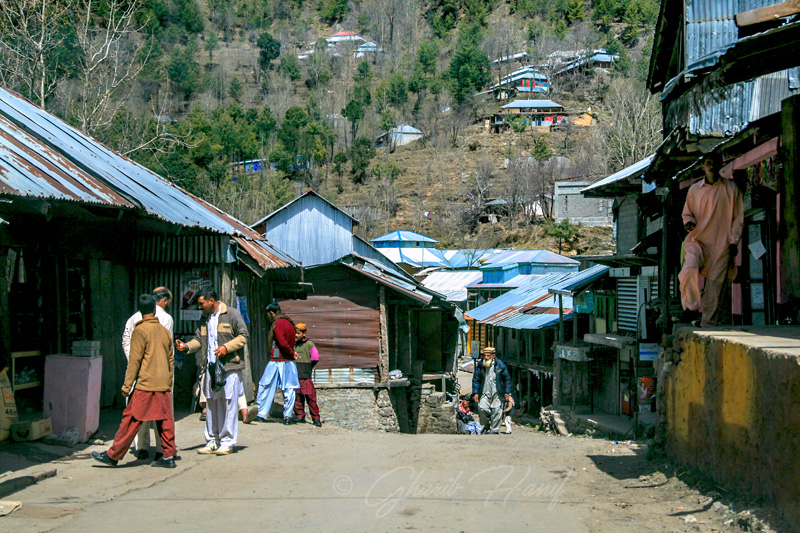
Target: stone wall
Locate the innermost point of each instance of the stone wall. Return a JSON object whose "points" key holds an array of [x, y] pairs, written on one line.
{"points": [[436, 415], [729, 404], [358, 408], [387, 409]]}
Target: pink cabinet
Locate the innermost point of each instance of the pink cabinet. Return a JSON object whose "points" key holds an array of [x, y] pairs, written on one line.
{"points": [[72, 393]]}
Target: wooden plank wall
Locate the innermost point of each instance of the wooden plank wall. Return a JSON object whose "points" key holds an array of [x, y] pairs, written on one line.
{"points": [[110, 305]]}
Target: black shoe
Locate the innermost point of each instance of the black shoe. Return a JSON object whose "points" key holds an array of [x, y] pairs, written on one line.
{"points": [[690, 317], [104, 458], [158, 456], [287, 421], [318, 422], [164, 462], [261, 419], [202, 416], [298, 420], [143, 454]]}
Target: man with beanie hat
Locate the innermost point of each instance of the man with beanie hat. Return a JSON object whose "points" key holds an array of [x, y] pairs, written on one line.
{"points": [[281, 370], [307, 359]]}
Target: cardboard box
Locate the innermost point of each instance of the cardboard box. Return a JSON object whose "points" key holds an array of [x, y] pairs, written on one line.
{"points": [[31, 430]]}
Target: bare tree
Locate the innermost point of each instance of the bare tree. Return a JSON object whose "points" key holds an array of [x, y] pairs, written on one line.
{"points": [[31, 31], [109, 61], [503, 41], [514, 186], [634, 130], [479, 190], [539, 177]]}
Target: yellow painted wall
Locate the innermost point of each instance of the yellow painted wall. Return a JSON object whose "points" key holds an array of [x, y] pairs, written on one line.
{"points": [[733, 410]]}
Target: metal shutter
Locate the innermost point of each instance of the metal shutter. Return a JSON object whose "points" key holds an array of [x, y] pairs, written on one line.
{"points": [[627, 303]]}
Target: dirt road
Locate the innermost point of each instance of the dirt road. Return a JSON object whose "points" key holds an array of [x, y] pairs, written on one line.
{"points": [[332, 479]]}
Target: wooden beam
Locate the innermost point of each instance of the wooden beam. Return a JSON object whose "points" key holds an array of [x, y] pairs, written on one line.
{"points": [[384, 327], [768, 13], [790, 200]]}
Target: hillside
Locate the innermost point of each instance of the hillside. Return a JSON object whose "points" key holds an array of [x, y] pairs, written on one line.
{"points": [[189, 88]]}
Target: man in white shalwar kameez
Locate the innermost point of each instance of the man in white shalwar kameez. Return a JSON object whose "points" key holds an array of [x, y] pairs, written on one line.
{"points": [[222, 335]]}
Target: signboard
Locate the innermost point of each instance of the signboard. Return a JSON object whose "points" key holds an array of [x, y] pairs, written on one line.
{"points": [[241, 306], [648, 351], [474, 349], [191, 282], [572, 353]]}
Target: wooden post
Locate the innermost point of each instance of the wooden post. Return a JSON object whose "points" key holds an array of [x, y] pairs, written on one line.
{"points": [[663, 264], [5, 322], [789, 234], [574, 323], [560, 318], [384, 345]]}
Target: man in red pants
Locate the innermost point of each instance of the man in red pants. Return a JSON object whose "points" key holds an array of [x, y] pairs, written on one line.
{"points": [[307, 359], [150, 367]]}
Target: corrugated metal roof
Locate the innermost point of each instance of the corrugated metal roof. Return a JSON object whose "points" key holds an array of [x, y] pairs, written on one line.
{"points": [[469, 257], [579, 280], [265, 255], [299, 198], [534, 306], [452, 283], [43, 157], [416, 257], [628, 172], [403, 235], [527, 256], [517, 300], [108, 177], [531, 104], [533, 321], [405, 128], [517, 281], [711, 30], [383, 275], [728, 110]]}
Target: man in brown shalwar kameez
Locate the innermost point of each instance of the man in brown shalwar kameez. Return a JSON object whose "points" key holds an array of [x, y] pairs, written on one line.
{"points": [[150, 367]]}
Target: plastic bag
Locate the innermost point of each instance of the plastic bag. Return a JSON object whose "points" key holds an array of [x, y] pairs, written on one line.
{"points": [[216, 373]]}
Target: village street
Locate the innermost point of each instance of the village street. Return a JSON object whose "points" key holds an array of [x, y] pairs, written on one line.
{"points": [[331, 479]]}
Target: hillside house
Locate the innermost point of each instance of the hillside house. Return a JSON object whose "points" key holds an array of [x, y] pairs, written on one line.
{"points": [[533, 112], [570, 203], [524, 80], [398, 136]]}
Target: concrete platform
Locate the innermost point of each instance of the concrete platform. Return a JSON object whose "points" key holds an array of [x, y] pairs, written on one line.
{"points": [[783, 340], [581, 420]]}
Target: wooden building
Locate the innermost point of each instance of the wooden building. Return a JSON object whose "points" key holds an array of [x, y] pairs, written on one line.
{"points": [[368, 317], [86, 230]]}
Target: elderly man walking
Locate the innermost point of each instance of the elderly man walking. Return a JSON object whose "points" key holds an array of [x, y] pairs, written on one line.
{"points": [[148, 382], [491, 383], [714, 216], [221, 336]]}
